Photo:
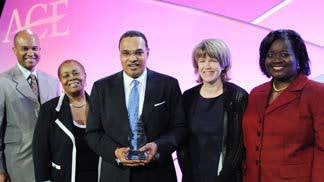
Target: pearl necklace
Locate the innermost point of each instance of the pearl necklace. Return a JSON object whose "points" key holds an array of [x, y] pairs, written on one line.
{"points": [[278, 89]]}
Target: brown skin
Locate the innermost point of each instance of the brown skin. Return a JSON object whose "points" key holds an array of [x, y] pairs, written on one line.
{"points": [[27, 49], [73, 79], [133, 57], [281, 63], [150, 149], [4, 177]]}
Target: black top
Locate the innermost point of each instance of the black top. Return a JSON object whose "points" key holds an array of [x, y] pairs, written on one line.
{"points": [[87, 160], [206, 130], [234, 103], [53, 145]]}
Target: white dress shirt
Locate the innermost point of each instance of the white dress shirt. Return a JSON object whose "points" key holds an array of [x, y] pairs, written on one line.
{"points": [[128, 85], [26, 73]]}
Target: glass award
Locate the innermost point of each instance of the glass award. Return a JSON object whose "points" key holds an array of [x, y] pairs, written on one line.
{"points": [[137, 139]]}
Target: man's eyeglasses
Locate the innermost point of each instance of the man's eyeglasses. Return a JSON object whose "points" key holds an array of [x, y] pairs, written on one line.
{"points": [[138, 53]]}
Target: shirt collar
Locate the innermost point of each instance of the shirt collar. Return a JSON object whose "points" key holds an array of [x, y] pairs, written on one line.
{"points": [[26, 72], [128, 80]]}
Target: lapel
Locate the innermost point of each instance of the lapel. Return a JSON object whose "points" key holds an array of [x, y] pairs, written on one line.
{"points": [[23, 86], [290, 94], [150, 94], [65, 115], [261, 98], [43, 86], [117, 96], [228, 97], [191, 105]]}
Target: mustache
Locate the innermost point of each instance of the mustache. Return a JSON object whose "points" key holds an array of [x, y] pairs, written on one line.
{"points": [[133, 64]]}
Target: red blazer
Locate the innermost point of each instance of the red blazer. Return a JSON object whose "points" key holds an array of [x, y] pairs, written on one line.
{"points": [[285, 140]]}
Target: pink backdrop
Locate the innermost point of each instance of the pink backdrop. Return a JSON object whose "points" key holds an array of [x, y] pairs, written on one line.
{"points": [[89, 31]]}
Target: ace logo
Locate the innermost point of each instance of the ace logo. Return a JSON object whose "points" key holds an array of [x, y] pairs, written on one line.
{"points": [[52, 17]]}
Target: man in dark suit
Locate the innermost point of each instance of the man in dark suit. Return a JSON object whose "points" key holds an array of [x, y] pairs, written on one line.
{"points": [[22, 90], [160, 107]]}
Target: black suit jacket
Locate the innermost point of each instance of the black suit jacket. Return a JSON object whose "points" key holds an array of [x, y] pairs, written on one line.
{"points": [[108, 126]]}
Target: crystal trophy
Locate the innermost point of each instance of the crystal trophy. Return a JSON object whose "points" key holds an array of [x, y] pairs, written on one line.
{"points": [[137, 139]]}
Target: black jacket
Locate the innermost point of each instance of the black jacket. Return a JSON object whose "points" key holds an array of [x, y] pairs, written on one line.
{"points": [[235, 101], [54, 148], [108, 126]]}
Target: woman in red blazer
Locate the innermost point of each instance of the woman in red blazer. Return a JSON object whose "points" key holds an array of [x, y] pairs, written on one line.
{"points": [[283, 125]]}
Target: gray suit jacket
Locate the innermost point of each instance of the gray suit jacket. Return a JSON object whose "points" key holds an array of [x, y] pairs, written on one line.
{"points": [[19, 108]]}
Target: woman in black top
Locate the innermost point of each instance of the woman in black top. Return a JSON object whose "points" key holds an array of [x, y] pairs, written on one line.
{"points": [[214, 109], [60, 152]]}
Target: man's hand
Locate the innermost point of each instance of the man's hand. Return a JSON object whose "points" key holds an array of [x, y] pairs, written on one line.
{"points": [[151, 151], [121, 154], [4, 177]]}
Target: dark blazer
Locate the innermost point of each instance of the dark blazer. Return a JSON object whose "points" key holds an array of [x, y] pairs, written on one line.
{"points": [[108, 126], [54, 148], [288, 133], [235, 101]]}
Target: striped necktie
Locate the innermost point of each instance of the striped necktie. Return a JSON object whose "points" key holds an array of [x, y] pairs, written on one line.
{"points": [[33, 84]]}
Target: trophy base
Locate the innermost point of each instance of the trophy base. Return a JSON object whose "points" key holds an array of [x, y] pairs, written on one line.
{"points": [[136, 155]]}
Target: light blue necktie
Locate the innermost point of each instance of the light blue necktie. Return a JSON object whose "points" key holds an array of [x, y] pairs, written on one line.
{"points": [[133, 104]]}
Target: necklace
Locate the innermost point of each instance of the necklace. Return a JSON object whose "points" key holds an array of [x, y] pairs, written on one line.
{"points": [[80, 106], [278, 89]]}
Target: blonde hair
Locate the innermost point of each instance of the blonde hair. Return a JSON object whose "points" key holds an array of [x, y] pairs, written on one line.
{"points": [[214, 48]]}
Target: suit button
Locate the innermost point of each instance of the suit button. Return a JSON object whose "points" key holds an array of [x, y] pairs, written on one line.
{"points": [[257, 148], [259, 133], [257, 162]]}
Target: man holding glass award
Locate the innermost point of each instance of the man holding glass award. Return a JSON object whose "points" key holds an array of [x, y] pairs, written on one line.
{"points": [[135, 119]]}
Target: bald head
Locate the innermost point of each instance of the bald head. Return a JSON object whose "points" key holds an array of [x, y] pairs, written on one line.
{"points": [[26, 48], [23, 34]]}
